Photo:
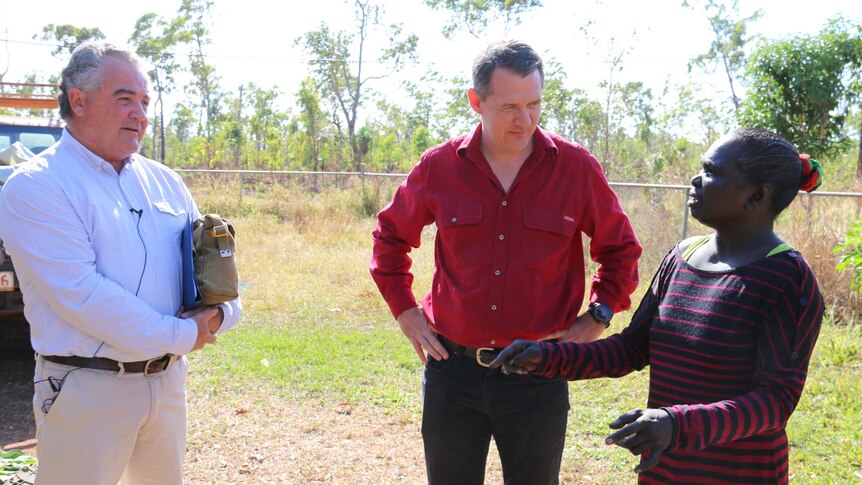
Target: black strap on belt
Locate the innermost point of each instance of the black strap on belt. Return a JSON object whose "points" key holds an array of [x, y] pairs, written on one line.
{"points": [[482, 355], [147, 367]]}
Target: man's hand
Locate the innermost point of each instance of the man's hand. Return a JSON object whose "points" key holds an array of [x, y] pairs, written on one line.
{"points": [[585, 329], [646, 432], [202, 317], [214, 323], [522, 357], [421, 336]]}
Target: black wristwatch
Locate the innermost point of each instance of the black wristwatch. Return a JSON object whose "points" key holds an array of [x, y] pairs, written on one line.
{"points": [[602, 313]]}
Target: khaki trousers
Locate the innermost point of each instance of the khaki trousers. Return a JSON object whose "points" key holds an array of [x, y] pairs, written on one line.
{"points": [[101, 428]]}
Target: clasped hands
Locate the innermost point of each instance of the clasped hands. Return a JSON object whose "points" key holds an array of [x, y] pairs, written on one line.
{"points": [[645, 432], [208, 320]]}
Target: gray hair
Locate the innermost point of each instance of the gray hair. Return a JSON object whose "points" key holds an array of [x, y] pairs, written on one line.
{"points": [[513, 55], [84, 70]]}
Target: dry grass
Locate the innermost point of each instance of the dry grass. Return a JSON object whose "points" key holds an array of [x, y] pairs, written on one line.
{"points": [[338, 400]]}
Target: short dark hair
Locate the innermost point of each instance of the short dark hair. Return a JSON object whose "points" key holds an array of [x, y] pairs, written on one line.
{"points": [[512, 54], [84, 70], [768, 158]]}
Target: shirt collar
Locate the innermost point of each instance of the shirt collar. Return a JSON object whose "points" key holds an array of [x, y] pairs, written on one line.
{"points": [[542, 144], [96, 161]]}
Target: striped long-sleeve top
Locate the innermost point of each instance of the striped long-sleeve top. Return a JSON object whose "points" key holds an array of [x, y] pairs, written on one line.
{"points": [[728, 353]]}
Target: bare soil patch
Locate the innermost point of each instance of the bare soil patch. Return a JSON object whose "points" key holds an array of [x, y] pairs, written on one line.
{"points": [[288, 442], [17, 427], [275, 441]]}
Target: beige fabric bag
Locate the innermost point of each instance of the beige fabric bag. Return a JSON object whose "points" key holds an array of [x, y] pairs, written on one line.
{"points": [[215, 266]]}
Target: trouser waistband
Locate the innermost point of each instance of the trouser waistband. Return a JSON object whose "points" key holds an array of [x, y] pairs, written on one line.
{"points": [[147, 367]]}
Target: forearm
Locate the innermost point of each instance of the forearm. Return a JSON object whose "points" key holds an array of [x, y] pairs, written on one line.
{"points": [[390, 269], [703, 425], [57, 267], [100, 308], [614, 356]]}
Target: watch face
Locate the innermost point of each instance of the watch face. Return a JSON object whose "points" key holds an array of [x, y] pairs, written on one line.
{"points": [[601, 312]]}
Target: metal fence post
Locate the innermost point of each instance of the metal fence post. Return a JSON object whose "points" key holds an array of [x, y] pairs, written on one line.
{"points": [[685, 214]]}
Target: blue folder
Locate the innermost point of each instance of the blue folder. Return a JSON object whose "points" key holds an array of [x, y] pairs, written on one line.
{"points": [[191, 293]]}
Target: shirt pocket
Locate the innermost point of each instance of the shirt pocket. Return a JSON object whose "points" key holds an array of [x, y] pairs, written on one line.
{"points": [[169, 207], [459, 215], [170, 219], [459, 232], [548, 237]]}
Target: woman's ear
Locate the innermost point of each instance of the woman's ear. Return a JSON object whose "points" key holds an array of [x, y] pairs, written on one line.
{"points": [[761, 197]]}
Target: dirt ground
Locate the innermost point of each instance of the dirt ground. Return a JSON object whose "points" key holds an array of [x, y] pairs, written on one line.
{"points": [[274, 442], [17, 428]]}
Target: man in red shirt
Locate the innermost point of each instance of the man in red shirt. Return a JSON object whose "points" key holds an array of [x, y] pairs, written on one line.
{"points": [[510, 202]]}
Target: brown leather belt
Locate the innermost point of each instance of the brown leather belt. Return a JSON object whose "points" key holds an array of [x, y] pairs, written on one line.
{"points": [[147, 367], [482, 355]]}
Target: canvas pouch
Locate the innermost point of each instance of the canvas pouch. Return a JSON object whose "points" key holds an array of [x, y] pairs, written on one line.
{"points": [[214, 262]]}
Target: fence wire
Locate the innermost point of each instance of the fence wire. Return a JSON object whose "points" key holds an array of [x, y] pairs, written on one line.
{"points": [[814, 223]]}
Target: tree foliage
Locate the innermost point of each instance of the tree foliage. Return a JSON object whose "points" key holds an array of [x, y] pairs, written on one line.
{"points": [[728, 47], [68, 37], [193, 27], [803, 86], [343, 77], [850, 249], [474, 16], [155, 38]]}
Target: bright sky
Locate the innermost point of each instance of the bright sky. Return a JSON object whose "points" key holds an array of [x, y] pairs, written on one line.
{"points": [[253, 40]]}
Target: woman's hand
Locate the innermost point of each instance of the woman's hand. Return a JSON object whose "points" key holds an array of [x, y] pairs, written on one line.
{"points": [[522, 357], [646, 432]]}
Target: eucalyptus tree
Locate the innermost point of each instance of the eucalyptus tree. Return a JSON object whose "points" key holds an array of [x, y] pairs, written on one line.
{"points": [[193, 29], [265, 126], [474, 16], [310, 121], [155, 38], [727, 49], [343, 67]]}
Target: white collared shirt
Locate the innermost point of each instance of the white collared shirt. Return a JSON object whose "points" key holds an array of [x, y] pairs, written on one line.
{"points": [[98, 278]]}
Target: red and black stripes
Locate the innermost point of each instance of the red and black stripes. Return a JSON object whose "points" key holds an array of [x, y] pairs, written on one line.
{"points": [[728, 355]]}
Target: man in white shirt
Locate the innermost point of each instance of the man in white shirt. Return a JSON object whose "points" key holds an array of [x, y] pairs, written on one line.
{"points": [[94, 232]]}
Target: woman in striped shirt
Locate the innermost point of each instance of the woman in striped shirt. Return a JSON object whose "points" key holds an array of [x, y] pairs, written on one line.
{"points": [[727, 328]]}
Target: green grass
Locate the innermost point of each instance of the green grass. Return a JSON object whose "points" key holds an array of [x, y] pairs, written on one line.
{"points": [[315, 328]]}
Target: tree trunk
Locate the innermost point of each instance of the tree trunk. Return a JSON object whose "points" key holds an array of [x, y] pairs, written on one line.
{"points": [[859, 155]]}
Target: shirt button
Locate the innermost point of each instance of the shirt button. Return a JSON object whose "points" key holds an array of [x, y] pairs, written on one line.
{"points": [[454, 219], [505, 202], [502, 237], [493, 342], [803, 301], [497, 273], [493, 307], [794, 355]]}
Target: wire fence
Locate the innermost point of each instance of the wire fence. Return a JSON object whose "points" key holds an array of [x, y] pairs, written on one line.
{"points": [[814, 223], [245, 175]]}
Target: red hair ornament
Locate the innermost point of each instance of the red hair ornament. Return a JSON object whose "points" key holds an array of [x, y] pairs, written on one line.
{"points": [[812, 173]]}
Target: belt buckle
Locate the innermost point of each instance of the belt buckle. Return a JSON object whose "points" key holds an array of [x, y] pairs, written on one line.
{"points": [[168, 359], [479, 356]]}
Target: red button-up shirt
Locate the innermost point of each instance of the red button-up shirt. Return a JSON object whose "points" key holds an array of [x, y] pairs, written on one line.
{"points": [[507, 265]]}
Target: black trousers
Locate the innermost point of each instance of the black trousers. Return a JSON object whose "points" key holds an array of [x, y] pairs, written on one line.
{"points": [[465, 404]]}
